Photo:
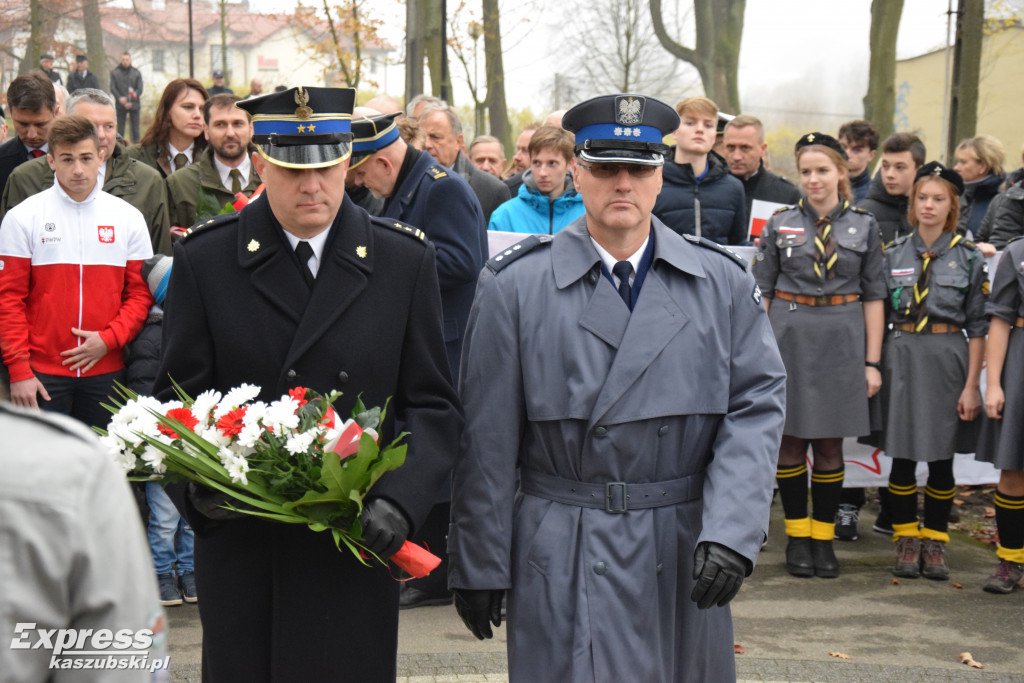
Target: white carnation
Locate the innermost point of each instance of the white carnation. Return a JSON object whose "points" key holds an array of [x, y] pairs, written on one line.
{"points": [[237, 468], [202, 406], [238, 396], [299, 442]]}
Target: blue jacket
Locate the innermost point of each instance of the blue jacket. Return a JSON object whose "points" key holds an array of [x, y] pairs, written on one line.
{"points": [[441, 204], [720, 195], [533, 212]]}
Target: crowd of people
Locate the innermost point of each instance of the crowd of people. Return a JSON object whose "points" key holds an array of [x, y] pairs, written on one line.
{"points": [[880, 264]]}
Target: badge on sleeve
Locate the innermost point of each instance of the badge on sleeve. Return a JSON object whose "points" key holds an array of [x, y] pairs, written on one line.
{"points": [[756, 294]]}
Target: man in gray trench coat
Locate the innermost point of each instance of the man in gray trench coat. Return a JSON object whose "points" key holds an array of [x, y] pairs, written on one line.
{"points": [[631, 377]]}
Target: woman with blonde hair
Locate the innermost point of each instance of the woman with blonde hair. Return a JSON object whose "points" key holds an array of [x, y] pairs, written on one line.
{"points": [[820, 271], [938, 284], [979, 161]]}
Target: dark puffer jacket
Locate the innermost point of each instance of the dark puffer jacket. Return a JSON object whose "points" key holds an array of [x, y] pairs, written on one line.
{"points": [[889, 210], [718, 196], [975, 200]]}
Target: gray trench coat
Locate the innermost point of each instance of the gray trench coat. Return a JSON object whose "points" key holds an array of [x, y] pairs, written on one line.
{"points": [[559, 378]]}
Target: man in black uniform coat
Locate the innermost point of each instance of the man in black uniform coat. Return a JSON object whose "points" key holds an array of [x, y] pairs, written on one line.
{"points": [[280, 602]]}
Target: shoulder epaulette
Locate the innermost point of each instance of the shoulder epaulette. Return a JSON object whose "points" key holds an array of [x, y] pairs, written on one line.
{"points": [[1014, 239], [856, 209], [783, 208], [899, 240], [436, 172], [399, 226], [516, 251], [715, 246], [210, 224]]}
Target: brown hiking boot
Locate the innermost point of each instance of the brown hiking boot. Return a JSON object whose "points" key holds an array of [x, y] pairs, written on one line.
{"points": [[1007, 577], [908, 558], [933, 560]]}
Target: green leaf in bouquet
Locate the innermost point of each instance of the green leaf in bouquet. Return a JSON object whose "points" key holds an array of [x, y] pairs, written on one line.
{"points": [[334, 501], [391, 458]]}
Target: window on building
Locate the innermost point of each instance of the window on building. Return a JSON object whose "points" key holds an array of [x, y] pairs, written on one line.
{"points": [[215, 62]]}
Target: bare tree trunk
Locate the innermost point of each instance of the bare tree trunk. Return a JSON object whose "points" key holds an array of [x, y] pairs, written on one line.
{"points": [[431, 18], [224, 39], [94, 49], [34, 49], [413, 49], [495, 71], [716, 53], [880, 100], [963, 116]]}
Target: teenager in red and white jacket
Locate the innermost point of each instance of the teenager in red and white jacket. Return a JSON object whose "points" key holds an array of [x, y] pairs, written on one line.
{"points": [[71, 288]]}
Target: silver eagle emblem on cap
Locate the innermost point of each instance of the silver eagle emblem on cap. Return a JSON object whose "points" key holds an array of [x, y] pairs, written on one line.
{"points": [[629, 110]]}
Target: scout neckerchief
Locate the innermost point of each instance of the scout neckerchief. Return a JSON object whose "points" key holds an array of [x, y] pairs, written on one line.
{"points": [[825, 243], [917, 310]]}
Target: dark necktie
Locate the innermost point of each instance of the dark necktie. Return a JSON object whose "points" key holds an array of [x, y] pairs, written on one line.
{"points": [[236, 181], [622, 270], [180, 161], [36, 153], [304, 252]]}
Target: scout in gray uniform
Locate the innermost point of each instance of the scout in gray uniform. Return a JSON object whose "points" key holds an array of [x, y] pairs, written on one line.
{"points": [[938, 283], [72, 550], [1002, 437], [820, 269], [632, 378]]}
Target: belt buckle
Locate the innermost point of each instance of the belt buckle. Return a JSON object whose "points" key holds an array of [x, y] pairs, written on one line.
{"points": [[821, 300], [609, 489]]}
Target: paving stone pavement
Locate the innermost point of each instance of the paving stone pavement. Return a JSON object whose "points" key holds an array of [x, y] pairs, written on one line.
{"points": [[909, 631]]}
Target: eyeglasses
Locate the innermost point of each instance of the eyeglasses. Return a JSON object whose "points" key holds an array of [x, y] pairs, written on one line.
{"points": [[605, 171]]}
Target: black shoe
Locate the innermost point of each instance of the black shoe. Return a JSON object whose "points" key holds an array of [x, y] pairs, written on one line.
{"points": [[883, 524], [826, 566], [847, 517], [413, 597], [799, 561]]}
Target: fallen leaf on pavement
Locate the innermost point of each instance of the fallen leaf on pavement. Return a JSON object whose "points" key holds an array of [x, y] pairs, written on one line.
{"points": [[957, 585], [966, 658], [840, 655], [989, 512], [895, 582], [738, 649], [958, 501]]}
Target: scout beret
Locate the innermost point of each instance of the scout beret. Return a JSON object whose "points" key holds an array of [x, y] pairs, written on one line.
{"points": [[823, 140], [934, 168]]}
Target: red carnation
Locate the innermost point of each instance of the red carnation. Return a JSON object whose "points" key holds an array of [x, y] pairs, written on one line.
{"points": [[230, 424], [182, 415], [299, 394]]}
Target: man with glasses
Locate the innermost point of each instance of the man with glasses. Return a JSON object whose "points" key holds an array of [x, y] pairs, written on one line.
{"points": [[629, 377]]}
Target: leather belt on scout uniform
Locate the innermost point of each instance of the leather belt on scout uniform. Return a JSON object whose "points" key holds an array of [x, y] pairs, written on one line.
{"points": [[614, 497], [929, 328], [806, 300]]}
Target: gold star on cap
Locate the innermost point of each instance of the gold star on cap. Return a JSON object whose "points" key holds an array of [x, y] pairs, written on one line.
{"points": [[253, 245], [361, 252], [302, 128], [311, 127]]}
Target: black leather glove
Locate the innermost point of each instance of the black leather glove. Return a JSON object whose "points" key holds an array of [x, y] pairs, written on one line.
{"points": [[210, 502], [719, 573], [479, 609], [385, 527]]}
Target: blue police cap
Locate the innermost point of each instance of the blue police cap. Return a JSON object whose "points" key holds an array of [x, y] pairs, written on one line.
{"points": [[302, 127], [370, 133], [622, 128]]}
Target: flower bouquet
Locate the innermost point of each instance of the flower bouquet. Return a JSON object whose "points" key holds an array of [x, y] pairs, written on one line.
{"points": [[292, 460]]}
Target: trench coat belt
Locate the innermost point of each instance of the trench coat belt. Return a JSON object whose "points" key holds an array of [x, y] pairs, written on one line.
{"points": [[614, 497], [929, 328], [807, 300]]}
